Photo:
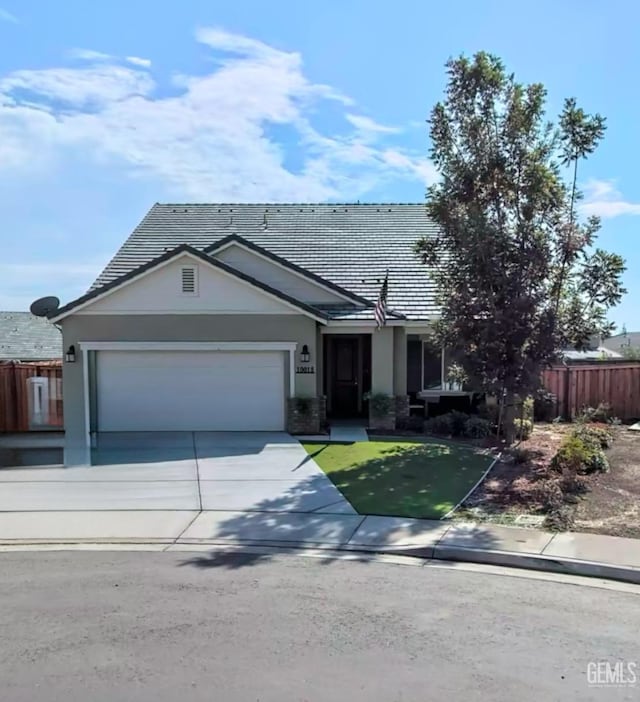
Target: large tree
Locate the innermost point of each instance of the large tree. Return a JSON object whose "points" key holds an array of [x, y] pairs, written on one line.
{"points": [[518, 273]]}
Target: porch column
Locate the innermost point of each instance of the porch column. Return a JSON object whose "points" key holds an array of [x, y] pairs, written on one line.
{"points": [[399, 361], [382, 347]]}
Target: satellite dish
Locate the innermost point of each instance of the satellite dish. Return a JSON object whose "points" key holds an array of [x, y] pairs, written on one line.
{"points": [[44, 306]]}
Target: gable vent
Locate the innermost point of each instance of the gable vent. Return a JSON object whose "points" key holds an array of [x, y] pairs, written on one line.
{"points": [[189, 281]]}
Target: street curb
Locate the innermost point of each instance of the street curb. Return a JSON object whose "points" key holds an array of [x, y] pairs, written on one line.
{"points": [[462, 554], [533, 561]]}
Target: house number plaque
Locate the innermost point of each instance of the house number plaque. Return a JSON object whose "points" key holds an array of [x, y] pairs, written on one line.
{"points": [[305, 369]]}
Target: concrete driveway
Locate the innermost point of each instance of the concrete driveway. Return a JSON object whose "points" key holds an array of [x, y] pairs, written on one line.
{"points": [[231, 471]]}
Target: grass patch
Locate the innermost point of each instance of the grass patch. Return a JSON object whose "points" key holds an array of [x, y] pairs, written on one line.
{"points": [[401, 478]]}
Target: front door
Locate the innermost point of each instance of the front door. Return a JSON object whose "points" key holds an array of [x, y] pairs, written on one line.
{"points": [[345, 366]]}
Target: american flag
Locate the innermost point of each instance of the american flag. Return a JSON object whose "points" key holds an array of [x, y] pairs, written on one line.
{"points": [[380, 312]]}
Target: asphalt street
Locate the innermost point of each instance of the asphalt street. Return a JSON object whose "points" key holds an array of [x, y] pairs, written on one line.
{"points": [[143, 626]]}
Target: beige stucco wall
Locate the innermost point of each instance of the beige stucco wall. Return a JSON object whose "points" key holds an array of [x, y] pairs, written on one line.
{"points": [[78, 328], [399, 361], [160, 292], [382, 360]]}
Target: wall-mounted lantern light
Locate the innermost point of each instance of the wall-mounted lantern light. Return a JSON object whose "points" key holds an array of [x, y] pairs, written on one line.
{"points": [[70, 356], [305, 356]]}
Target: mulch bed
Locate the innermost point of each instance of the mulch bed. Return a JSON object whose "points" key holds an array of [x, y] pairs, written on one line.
{"points": [[611, 504], [515, 486]]}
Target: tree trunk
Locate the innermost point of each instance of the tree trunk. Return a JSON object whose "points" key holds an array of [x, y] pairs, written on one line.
{"points": [[509, 418]]}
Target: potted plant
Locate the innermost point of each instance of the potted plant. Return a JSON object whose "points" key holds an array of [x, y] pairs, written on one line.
{"points": [[456, 377]]}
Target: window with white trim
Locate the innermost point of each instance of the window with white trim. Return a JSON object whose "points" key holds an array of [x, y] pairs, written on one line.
{"points": [[189, 280]]}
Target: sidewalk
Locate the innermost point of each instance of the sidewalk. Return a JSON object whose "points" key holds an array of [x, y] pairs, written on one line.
{"points": [[574, 553]]}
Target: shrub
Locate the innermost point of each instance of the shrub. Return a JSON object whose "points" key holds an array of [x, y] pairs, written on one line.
{"points": [[489, 412], [477, 427], [577, 455], [441, 425], [380, 404], [411, 423], [524, 427], [544, 406], [599, 463], [303, 405], [572, 456], [458, 422], [601, 413], [560, 518], [527, 409], [550, 495], [597, 435], [572, 486]]}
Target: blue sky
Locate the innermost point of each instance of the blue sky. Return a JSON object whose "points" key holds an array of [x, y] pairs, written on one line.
{"points": [[106, 108]]}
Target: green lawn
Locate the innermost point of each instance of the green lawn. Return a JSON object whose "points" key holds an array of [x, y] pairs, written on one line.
{"points": [[421, 479]]}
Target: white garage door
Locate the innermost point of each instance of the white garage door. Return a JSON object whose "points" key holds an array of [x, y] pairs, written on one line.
{"points": [[190, 391]]}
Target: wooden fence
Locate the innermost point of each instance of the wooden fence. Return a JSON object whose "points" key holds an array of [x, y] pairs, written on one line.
{"points": [[30, 396], [613, 383]]}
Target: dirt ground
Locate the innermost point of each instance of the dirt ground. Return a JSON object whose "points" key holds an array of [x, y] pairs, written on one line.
{"points": [[512, 488], [612, 506], [514, 491]]}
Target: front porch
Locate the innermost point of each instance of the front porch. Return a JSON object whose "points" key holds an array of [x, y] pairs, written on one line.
{"points": [[378, 377]]}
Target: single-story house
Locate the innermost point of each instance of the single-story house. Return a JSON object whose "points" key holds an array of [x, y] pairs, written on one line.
{"points": [[596, 353], [30, 384], [621, 343], [222, 317], [26, 338]]}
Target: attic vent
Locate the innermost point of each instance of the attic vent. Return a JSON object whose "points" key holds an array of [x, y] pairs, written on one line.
{"points": [[189, 281]]}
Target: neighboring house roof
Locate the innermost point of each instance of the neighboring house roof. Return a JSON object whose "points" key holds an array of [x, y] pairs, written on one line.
{"points": [[348, 245], [174, 253], [600, 353], [621, 341], [24, 337]]}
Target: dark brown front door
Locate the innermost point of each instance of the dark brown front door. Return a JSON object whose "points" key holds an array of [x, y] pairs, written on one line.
{"points": [[345, 364]]}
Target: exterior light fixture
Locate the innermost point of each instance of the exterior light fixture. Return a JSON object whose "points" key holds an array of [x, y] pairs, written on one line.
{"points": [[305, 356], [70, 356]]}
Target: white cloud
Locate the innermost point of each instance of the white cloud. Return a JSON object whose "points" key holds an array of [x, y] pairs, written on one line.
{"points": [[366, 124], [97, 56], [99, 85], [22, 283], [212, 140], [6, 16], [422, 167], [137, 61], [603, 199], [219, 38], [88, 55]]}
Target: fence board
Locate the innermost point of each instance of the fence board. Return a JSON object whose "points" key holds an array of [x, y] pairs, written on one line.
{"points": [[15, 400], [578, 386]]}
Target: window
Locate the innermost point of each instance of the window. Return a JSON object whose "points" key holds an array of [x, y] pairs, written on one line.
{"points": [[432, 368], [189, 280]]}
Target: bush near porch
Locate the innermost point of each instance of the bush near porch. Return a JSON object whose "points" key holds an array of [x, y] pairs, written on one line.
{"points": [[418, 479]]}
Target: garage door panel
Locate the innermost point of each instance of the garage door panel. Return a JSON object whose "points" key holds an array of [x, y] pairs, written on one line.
{"points": [[190, 391]]}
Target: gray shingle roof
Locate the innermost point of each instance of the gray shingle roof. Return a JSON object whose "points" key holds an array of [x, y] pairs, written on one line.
{"points": [[349, 245], [598, 354], [620, 342], [24, 337]]}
